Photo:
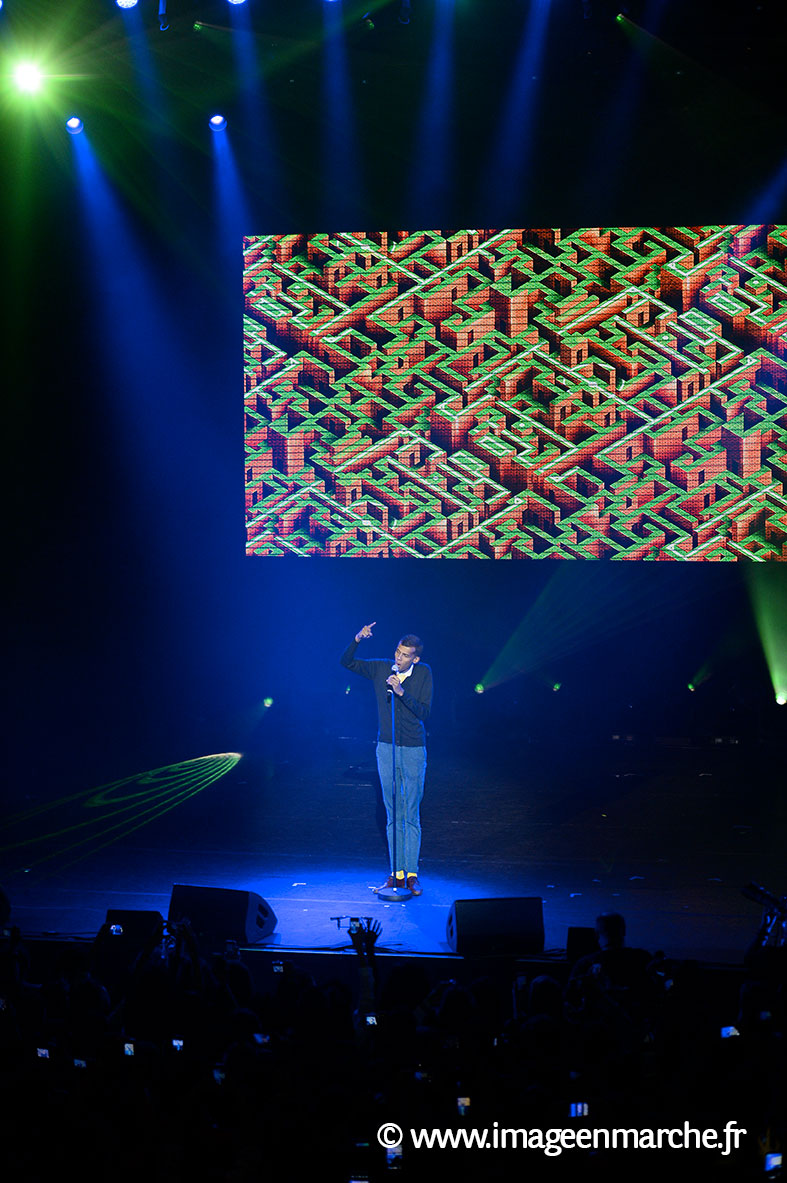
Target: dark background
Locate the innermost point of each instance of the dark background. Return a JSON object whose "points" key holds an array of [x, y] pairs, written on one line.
{"points": [[140, 634]]}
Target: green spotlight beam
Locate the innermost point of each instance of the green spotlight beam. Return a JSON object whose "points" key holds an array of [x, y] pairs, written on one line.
{"points": [[139, 821], [674, 68], [135, 812], [118, 830], [100, 796], [139, 808], [128, 825], [15, 819], [732, 644], [768, 596], [579, 606]]}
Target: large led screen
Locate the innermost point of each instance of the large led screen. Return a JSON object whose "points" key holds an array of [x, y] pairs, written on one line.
{"points": [[517, 394]]}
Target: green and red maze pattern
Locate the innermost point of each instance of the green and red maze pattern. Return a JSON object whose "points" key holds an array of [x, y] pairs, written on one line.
{"points": [[584, 393]]}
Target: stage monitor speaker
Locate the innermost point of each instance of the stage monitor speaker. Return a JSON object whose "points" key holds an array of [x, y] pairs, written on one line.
{"points": [[219, 914], [513, 926]]}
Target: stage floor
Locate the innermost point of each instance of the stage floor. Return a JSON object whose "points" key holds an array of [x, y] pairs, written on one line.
{"points": [[706, 919], [666, 834]]}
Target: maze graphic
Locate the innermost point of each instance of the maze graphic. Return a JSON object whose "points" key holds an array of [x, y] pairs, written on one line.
{"points": [[581, 393]]}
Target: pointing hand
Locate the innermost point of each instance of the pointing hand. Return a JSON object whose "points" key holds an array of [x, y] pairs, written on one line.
{"points": [[366, 631]]}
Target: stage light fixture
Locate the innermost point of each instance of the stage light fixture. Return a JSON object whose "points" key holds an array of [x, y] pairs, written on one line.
{"points": [[217, 122], [74, 125], [781, 698], [404, 12], [163, 19], [127, 3], [236, 1], [28, 77], [267, 703], [479, 688]]}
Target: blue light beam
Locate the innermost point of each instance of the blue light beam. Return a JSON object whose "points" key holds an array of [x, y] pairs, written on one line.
{"points": [[340, 170], [232, 212], [512, 154], [430, 170]]}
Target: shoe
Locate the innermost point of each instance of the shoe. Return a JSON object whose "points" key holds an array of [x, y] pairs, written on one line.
{"points": [[390, 882], [413, 886]]}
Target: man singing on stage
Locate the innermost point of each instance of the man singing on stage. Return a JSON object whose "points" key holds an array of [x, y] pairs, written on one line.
{"points": [[409, 682]]}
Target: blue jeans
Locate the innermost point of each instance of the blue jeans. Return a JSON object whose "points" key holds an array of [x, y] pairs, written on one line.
{"points": [[410, 773]]}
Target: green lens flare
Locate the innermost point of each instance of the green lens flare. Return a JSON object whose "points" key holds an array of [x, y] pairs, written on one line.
{"points": [[28, 77]]}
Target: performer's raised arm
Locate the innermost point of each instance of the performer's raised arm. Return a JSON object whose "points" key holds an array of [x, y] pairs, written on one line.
{"points": [[352, 663]]}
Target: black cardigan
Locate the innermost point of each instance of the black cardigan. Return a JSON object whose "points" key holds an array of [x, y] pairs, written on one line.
{"points": [[412, 707]]}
